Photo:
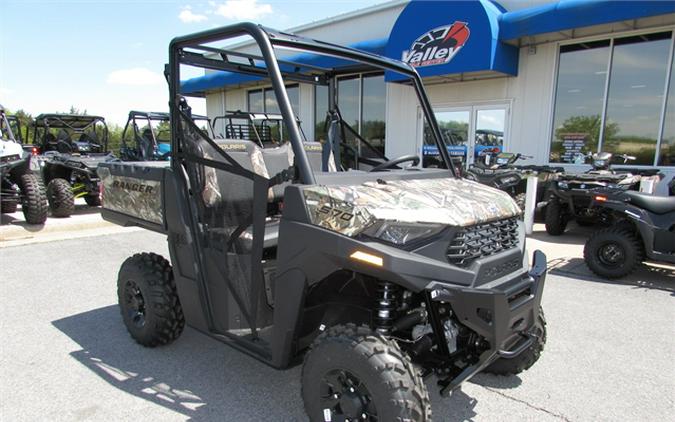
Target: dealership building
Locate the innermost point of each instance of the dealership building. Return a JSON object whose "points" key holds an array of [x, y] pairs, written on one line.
{"points": [[547, 79]]}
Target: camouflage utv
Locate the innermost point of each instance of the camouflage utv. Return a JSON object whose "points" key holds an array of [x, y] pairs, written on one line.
{"points": [[378, 276]]}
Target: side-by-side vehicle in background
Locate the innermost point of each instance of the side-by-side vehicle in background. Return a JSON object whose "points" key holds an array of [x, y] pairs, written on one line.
{"points": [[377, 275], [72, 146], [147, 136]]}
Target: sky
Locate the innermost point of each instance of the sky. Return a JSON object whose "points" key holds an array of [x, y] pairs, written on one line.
{"points": [[107, 56]]}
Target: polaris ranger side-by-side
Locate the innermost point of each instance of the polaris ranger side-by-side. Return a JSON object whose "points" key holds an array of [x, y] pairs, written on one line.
{"points": [[72, 146], [377, 278]]}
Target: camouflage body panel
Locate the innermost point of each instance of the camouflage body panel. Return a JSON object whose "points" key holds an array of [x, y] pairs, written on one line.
{"points": [[453, 202], [137, 197]]}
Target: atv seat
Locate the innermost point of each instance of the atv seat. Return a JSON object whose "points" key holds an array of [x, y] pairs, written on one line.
{"points": [[655, 204]]}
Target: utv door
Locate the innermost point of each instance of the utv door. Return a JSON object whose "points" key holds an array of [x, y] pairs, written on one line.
{"points": [[228, 186]]}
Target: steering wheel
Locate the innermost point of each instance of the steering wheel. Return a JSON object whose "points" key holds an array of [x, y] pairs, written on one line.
{"points": [[396, 161]]}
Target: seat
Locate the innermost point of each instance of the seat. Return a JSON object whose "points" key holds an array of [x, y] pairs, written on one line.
{"points": [[656, 204]]}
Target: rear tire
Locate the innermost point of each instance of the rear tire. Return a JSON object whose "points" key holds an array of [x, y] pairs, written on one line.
{"points": [[148, 300], [526, 359], [34, 204], [351, 371], [60, 198], [93, 200], [613, 252], [556, 217]]}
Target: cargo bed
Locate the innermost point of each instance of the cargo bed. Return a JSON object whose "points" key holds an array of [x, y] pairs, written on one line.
{"points": [[132, 193]]}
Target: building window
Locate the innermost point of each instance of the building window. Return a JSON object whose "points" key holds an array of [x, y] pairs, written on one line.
{"points": [[361, 100], [609, 97], [265, 101], [320, 112]]}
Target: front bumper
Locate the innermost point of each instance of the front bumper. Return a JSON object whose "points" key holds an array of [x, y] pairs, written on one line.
{"points": [[504, 315]]}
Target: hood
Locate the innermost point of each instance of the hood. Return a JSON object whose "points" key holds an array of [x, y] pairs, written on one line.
{"points": [[453, 202], [10, 148]]}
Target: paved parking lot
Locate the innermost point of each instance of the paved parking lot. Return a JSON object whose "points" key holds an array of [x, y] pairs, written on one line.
{"points": [[65, 353]]}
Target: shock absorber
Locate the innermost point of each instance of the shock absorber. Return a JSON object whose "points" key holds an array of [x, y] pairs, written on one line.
{"points": [[385, 307]]}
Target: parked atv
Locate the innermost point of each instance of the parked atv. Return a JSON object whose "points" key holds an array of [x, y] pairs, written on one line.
{"points": [[375, 277], [571, 194], [638, 226], [147, 136], [72, 147], [499, 170], [18, 183]]}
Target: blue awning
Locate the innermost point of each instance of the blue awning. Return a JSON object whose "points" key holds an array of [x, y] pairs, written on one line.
{"points": [[441, 38], [569, 14], [221, 79]]}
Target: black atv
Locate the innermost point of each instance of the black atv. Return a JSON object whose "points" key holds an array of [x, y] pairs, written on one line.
{"points": [[376, 278], [72, 146], [570, 195], [499, 170], [18, 183], [147, 136], [638, 226]]}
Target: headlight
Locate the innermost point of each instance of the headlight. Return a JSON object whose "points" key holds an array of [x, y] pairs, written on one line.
{"points": [[563, 185], [402, 233], [599, 163]]}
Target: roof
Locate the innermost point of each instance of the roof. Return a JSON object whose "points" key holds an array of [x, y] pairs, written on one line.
{"points": [[66, 120]]}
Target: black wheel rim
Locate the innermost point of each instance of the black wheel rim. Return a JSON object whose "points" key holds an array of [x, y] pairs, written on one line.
{"points": [[134, 303], [611, 254], [344, 397]]}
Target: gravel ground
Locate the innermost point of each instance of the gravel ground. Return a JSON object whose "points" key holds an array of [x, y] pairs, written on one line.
{"points": [[66, 354]]}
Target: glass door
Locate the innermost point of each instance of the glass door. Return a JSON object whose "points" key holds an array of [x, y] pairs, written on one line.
{"points": [[454, 126], [468, 132]]}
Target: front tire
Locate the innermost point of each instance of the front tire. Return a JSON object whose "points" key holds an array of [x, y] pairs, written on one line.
{"points": [[355, 373], [527, 358], [34, 205], [93, 200], [8, 206], [556, 217], [613, 252], [60, 198], [148, 300]]}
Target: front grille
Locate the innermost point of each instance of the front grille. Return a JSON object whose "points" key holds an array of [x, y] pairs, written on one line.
{"points": [[473, 242]]}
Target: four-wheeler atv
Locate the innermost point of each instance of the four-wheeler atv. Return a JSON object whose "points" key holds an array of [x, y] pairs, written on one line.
{"points": [[639, 226], [377, 278], [18, 184], [498, 169], [571, 194], [72, 147], [147, 136]]}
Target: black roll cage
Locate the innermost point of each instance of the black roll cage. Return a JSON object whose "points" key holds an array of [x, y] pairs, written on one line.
{"points": [[153, 116], [68, 121], [191, 50]]}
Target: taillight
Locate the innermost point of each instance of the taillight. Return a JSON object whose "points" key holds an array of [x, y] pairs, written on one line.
{"points": [[600, 198], [35, 151]]}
